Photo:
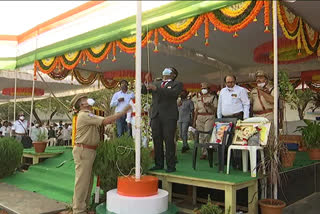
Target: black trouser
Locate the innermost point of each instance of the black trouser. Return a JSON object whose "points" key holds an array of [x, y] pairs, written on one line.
{"points": [[164, 130]]}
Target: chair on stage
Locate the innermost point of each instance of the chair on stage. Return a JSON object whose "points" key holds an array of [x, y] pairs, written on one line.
{"points": [[220, 138], [251, 136]]}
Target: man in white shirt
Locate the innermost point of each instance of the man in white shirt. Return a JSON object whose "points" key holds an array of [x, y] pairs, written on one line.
{"points": [[20, 127], [120, 100], [5, 129], [233, 100]]}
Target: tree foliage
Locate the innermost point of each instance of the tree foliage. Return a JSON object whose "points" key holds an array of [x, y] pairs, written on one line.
{"points": [[296, 98], [10, 156], [116, 157]]}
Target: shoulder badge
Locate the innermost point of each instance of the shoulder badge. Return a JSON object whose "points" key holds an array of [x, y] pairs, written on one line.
{"points": [[91, 115]]}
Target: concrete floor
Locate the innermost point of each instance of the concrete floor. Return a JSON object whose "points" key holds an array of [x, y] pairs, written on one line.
{"points": [[17, 201], [308, 205]]}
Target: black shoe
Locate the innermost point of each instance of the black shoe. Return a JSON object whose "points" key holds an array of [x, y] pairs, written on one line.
{"points": [[185, 149], [156, 168], [169, 170]]}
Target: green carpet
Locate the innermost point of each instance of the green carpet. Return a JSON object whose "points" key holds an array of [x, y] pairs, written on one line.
{"points": [[203, 171], [302, 159], [54, 177], [47, 178]]}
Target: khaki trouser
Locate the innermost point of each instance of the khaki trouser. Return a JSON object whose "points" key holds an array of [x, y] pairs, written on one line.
{"points": [[204, 123], [83, 159], [269, 116]]}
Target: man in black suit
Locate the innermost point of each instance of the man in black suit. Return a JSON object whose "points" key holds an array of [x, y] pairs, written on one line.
{"points": [[164, 116]]}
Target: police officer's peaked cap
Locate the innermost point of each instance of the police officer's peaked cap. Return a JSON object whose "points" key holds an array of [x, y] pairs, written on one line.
{"points": [[76, 98], [261, 73], [204, 85]]}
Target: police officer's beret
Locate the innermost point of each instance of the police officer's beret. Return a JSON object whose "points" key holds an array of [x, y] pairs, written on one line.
{"points": [[204, 85], [76, 98], [261, 73]]}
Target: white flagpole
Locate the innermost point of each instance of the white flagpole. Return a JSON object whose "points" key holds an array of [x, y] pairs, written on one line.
{"points": [[138, 91], [275, 82]]}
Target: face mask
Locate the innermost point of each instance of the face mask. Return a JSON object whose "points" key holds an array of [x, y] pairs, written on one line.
{"points": [[21, 117], [261, 85], [90, 101], [36, 125], [204, 91], [166, 72]]}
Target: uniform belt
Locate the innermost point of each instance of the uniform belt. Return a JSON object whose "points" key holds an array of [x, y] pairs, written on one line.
{"points": [[86, 146], [21, 134], [263, 112], [234, 115], [211, 114], [133, 114]]}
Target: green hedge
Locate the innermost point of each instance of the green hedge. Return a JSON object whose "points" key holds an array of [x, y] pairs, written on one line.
{"points": [[10, 156], [117, 155]]}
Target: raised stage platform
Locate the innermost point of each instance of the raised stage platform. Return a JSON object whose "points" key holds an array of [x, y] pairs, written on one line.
{"points": [[49, 153], [54, 179], [236, 191]]}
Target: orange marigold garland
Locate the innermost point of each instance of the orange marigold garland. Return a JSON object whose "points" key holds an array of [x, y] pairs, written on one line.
{"points": [[172, 35], [267, 16], [156, 41], [128, 44], [206, 30], [70, 60], [98, 54], [235, 24], [114, 51], [47, 65]]}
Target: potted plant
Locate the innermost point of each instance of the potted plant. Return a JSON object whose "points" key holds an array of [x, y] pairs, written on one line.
{"points": [[41, 143], [287, 158], [209, 208], [273, 166], [311, 138]]}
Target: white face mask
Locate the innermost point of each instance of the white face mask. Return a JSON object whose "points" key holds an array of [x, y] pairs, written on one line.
{"points": [[36, 125], [90, 101], [261, 85], [204, 91], [21, 117]]}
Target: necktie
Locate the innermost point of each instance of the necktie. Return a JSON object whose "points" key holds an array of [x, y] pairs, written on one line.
{"points": [[163, 84]]}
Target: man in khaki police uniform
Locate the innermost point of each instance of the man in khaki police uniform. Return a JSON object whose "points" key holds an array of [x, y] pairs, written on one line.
{"points": [[84, 152], [262, 97], [205, 109]]}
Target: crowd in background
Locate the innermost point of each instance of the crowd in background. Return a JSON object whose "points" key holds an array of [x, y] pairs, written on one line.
{"points": [[57, 134]]}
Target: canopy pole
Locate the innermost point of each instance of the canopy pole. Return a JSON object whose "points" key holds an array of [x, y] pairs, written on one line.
{"points": [[138, 91], [33, 83], [275, 84], [31, 114], [15, 95]]}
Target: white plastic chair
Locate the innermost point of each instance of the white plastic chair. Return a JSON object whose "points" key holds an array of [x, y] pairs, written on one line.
{"points": [[251, 149]]}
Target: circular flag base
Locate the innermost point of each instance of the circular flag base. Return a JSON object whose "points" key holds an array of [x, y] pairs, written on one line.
{"points": [[155, 204], [145, 186]]}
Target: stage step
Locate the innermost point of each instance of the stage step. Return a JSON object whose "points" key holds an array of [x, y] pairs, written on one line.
{"points": [[17, 201]]}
